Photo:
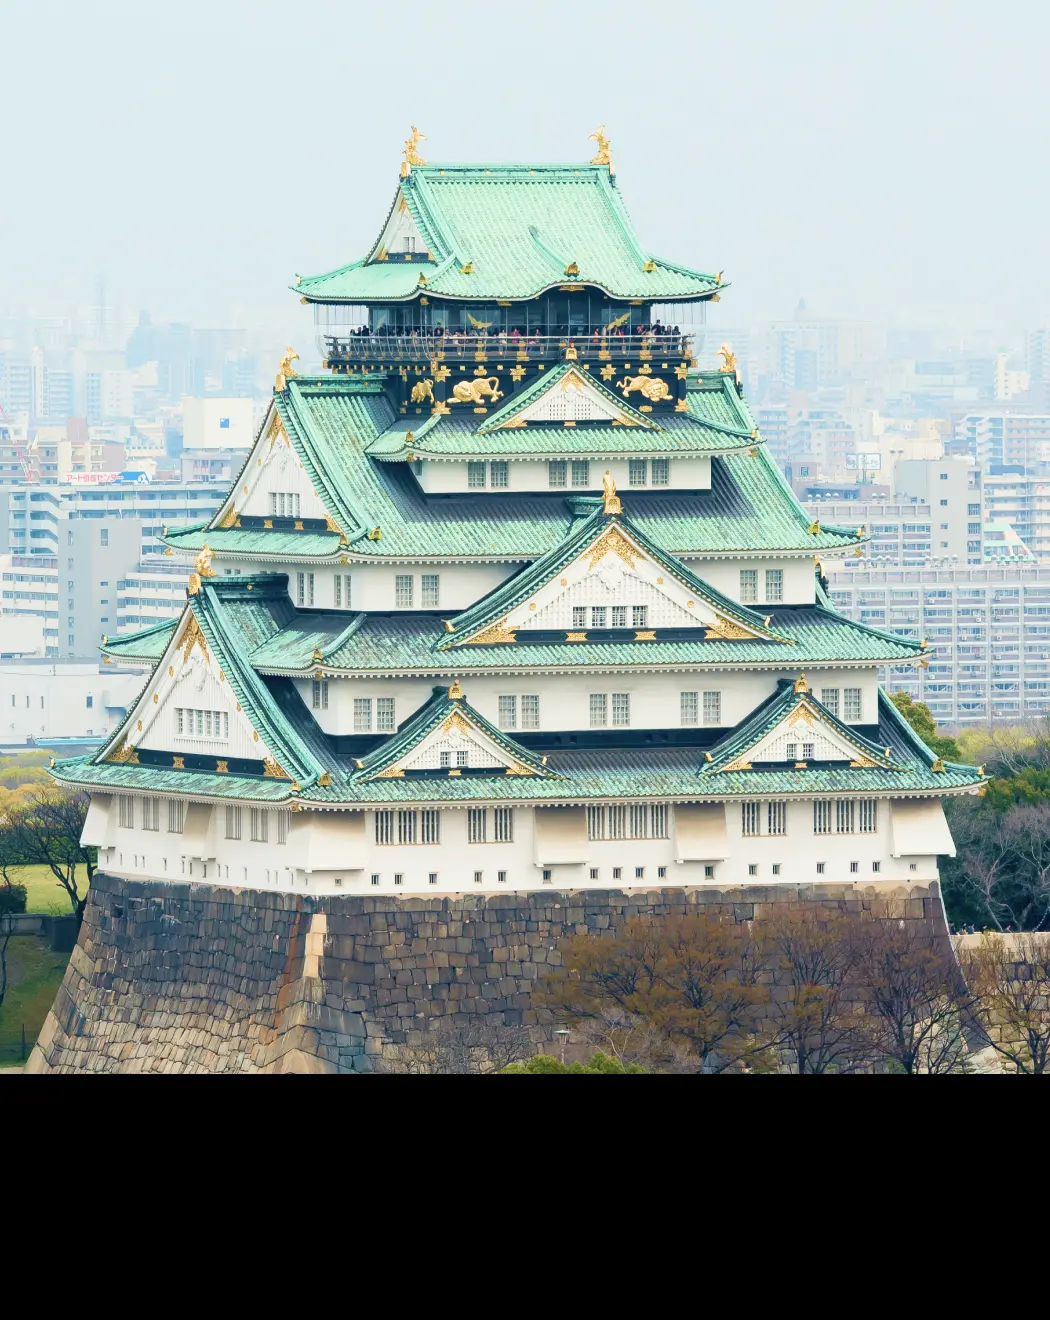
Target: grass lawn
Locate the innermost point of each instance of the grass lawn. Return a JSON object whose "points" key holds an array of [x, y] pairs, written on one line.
{"points": [[34, 974], [45, 894]]}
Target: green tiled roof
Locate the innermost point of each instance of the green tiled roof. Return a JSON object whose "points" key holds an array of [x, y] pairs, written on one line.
{"points": [[519, 227], [544, 383], [145, 644], [410, 644], [749, 508], [587, 531], [84, 773]]}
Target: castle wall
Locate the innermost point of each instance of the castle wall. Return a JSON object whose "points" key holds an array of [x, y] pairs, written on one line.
{"points": [[193, 978]]}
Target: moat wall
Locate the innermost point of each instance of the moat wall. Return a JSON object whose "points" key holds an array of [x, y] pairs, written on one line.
{"points": [[197, 978]]}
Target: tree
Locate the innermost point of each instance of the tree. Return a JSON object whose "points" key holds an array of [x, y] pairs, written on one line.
{"points": [[916, 1001], [1009, 978], [1001, 874], [815, 1018], [545, 1064], [46, 830], [696, 979], [450, 1047], [918, 715]]}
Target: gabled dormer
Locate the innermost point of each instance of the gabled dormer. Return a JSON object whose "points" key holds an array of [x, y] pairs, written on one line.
{"points": [[570, 396], [448, 738], [606, 581]]}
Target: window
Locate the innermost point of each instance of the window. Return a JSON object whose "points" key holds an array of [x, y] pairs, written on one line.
{"points": [[973, 510], [854, 867], [431, 826], [375, 879], [599, 707], [547, 876], [556, 475], [408, 827], [876, 866], [621, 709], [342, 591], [750, 816], [530, 712], [776, 817], [462, 758], [639, 614], [477, 821], [661, 872], [820, 868], [594, 873], [869, 816], [709, 872], [103, 536], [508, 712], [943, 476], [403, 591], [579, 616], [639, 872], [807, 751], [260, 824], [151, 813], [618, 616], [384, 828], [176, 817], [320, 693], [641, 821], [712, 708], [689, 709], [478, 876], [774, 584], [385, 715], [304, 583], [752, 868], [851, 707], [283, 817], [432, 878], [598, 613], [581, 473], [830, 698], [362, 715], [501, 876], [475, 476], [776, 868], [429, 590], [499, 475], [845, 816], [89, 702], [193, 723], [821, 816], [233, 822], [284, 504], [637, 472], [748, 585], [503, 825], [661, 471], [127, 812]]}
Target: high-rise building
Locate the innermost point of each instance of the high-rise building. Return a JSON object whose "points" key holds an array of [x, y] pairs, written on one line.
{"points": [[513, 596]]}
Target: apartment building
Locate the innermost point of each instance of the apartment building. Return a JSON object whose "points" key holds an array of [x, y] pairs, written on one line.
{"points": [[1023, 500], [62, 699], [1005, 438]]}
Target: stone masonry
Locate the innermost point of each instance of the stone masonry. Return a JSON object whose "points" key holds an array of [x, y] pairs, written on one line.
{"points": [[195, 978]]}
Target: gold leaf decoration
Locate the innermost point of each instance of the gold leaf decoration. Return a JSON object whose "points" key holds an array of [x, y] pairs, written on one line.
{"points": [[494, 635]]}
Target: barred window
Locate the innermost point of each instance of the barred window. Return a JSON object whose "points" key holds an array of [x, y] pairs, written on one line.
{"points": [[477, 820], [233, 822], [403, 591], [284, 504], [260, 825], [126, 812], [599, 710], [503, 825], [830, 698], [385, 721], [807, 751], [362, 714], [476, 476], [193, 723], [320, 694], [151, 813], [661, 471], [640, 821], [616, 820], [618, 616], [508, 712], [581, 472], [176, 817], [712, 708], [845, 816], [430, 590], [639, 614], [463, 758], [748, 585], [556, 475], [384, 828], [822, 816], [598, 616], [407, 826], [499, 475], [444, 760], [750, 818], [851, 704], [869, 815], [579, 616], [431, 826], [621, 709], [637, 470], [791, 751], [774, 584], [689, 708], [530, 712], [776, 817], [283, 817]]}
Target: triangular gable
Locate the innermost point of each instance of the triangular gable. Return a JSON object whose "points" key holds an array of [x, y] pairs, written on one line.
{"points": [[794, 728], [605, 566], [449, 738], [272, 469], [567, 394], [400, 226]]}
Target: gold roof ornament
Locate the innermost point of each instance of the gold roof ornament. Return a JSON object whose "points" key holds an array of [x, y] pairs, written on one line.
{"points": [[203, 561], [729, 365], [285, 370], [603, 156], [814, 527], [455, 692], [570, 353], [938, 766], [800, 684], [467, 268], [572, 269], [649, 267], [318, 657], [411, 153], [611, 501], [324, 780]]}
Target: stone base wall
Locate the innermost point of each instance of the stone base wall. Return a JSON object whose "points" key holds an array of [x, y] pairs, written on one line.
{"points": [[196, 978]]}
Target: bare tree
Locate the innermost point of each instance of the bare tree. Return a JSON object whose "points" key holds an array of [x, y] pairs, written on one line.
{"points": [[916, 1000], [1009, 977], [815, 1018], [451, 1047], [46, 830]]}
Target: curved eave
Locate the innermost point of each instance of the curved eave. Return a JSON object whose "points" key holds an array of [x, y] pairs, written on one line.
{"points": [[433, 288], [407, 454]]}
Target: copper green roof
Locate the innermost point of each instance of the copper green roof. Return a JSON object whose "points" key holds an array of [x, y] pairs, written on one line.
{"points": [[749, 508], [144, 644], [519, 229]]}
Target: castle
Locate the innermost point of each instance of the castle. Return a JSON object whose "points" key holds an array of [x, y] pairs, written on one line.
{"points": [[512, 596]]}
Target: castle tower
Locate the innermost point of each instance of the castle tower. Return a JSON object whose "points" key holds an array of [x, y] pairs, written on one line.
{"points": [[512, 596]]}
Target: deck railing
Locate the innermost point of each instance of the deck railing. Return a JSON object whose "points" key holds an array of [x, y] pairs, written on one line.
{"points": [[417, 345]]}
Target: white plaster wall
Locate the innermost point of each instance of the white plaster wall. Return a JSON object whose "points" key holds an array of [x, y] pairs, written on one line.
{"points": [[532, 475], [724, 574], [137, 853], [373, 586], [275, 467]]}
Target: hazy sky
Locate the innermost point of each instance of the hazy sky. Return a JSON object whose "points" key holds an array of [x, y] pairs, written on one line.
{"points": [[882, 159]]}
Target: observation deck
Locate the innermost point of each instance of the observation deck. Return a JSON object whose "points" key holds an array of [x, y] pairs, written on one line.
{"points": [[417, 346]]}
